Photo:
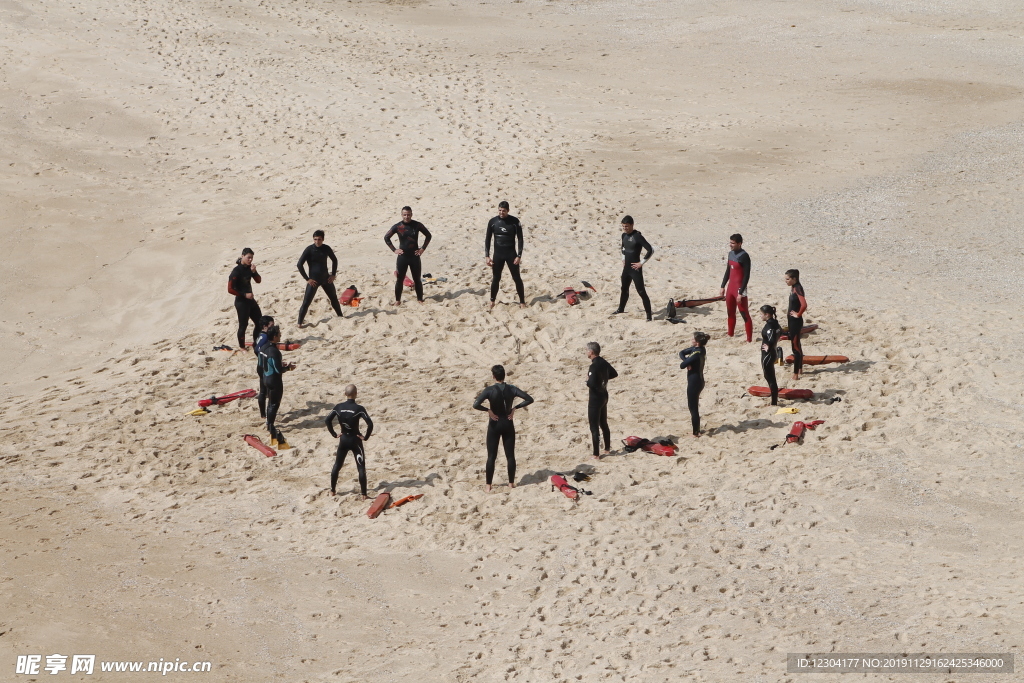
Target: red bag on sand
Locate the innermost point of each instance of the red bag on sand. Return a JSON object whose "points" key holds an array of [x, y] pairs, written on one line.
{"points": [[572, 297], [797, 432], [559, 482], [660, 449], [348, 296]]}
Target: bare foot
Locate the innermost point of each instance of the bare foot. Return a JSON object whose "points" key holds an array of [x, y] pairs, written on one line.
{"points": [[511, 484], [596, 457], [397, 303], [333, 493], [366, 498], [796, 377], [522, 305], [491, 307], [422, 301], [696, 436], [488, 488]]}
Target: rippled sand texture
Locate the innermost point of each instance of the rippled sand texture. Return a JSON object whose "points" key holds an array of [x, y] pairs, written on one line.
{"points": [[876, 146]]}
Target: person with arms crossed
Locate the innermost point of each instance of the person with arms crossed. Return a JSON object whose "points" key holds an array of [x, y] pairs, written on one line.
{"points": [[598, 374]]}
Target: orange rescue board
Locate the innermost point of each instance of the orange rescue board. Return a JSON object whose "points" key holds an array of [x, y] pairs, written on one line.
{"points": [[819, 360], [783, 393], [379, 505], [263, 448]]}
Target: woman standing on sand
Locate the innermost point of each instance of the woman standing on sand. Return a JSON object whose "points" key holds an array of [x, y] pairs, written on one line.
{"points": [[240, 285], [693, 360], [769, 341], [797, 308]]}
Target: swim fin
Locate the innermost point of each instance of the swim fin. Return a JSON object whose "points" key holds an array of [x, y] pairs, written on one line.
{"points": [[670, 310], [198, 411]]}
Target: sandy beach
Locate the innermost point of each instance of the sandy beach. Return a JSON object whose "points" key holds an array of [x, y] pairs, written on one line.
{"points": [[875, 145]]}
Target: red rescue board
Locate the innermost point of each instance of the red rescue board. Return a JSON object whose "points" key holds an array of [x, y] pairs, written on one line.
{"points": [[783, 393], [283, 346], [263, 448], [819, 360], [559, 482], [221, 400], [379, 505], [693, 303], [803, 330]]}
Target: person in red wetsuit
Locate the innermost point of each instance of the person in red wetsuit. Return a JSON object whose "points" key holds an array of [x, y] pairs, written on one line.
{"points": [[734, 285], [797, 308], [240, 286]]}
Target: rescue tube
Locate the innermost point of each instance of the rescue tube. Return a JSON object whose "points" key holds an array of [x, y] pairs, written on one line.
{"points": [[819, 360], [783, 393], [263, 448]]}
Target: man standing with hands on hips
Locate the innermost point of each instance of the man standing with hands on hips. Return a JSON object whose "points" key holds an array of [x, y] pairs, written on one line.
{"points": [[408, 252], [632, 265]]}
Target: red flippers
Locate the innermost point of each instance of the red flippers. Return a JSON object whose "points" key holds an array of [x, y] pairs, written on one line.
{"points": [[559, 482], [263, 448], [221, 400], [379, 505]]}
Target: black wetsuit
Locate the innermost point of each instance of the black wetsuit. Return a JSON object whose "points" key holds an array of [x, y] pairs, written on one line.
{"points": [[408, 242], [240, 284], [273, 369], [262, 397], [632, 244], [693, 360], [796, 325], [348, 415], [500, 397], [770, 337], [508, 246], [316, 257], [597, 406]]}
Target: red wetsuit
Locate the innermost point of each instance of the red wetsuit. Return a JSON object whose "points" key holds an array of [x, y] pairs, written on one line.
{"points": [[737, 274]]}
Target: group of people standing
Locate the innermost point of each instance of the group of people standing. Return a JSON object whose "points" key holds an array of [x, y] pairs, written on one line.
{"points": [[506, 233]]}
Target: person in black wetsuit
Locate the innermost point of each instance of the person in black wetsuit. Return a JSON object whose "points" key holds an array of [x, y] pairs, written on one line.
{"points": [[273, 369], [500, 397], [508, 250], [408, 252], [694, 359], [265, 323], [769, 341], [598, 374], [632, 265], [348, 415], [316, 256], [797, 308], [240, 285]]}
